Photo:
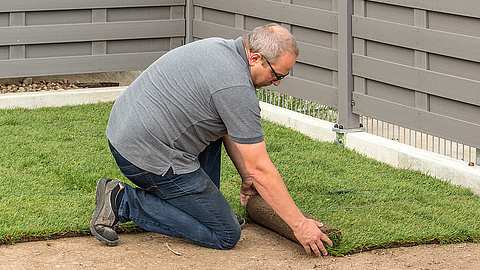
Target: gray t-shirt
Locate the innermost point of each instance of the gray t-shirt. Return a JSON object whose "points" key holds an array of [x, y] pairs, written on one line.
{"points": [[189, 97]]}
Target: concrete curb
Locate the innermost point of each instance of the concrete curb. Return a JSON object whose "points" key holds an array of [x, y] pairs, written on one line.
{"points": [[404, 156], [31, 100], [391, 152], [310, 126]]}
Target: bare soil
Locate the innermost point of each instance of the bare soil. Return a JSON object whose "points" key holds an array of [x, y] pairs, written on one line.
{"points": [[257, 249]]}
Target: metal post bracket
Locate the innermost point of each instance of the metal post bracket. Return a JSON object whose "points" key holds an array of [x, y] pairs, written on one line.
{"points": [[340, 131]]}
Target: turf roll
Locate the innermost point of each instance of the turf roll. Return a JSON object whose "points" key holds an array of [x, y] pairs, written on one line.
{"points": [[261, 213]]}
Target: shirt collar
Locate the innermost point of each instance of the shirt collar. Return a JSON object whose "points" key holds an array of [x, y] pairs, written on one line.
{"points": [[241, 48]]}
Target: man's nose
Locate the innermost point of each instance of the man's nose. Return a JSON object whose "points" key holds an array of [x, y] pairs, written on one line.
{"points": [[276, 83]]}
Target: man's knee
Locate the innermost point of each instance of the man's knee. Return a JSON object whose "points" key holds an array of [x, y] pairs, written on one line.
{"points": [[229, 239]]}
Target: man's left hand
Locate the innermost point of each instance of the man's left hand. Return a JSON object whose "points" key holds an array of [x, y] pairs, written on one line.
{"points": [[247, 190]]}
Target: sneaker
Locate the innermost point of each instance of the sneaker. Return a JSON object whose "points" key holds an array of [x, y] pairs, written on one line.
{"points": [[104, 218]]}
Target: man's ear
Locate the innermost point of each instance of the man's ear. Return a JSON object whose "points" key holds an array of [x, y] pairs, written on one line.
{"points": [[253, 58]]}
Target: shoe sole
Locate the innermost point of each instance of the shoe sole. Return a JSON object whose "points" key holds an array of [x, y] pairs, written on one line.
{"points": [[100, 192]]}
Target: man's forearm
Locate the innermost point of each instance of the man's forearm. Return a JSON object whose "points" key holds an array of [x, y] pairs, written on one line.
{"points": [[267, 181], [271, 187]]}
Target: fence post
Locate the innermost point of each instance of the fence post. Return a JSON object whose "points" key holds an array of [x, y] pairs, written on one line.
{"points": [[188, 21], [99, 16], [347, 120], [16, 51]]}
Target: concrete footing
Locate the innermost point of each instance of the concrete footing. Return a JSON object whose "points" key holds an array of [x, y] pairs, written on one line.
{"points": [[31, 100]]}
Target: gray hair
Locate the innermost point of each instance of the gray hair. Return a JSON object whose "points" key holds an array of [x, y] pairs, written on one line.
{"points": [[272, 41]]}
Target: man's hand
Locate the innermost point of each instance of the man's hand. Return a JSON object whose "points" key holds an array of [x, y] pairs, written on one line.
{"points": [[247, 190], [310, 236]]}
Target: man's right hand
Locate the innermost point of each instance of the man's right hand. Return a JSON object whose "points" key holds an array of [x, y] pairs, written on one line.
{"points": [[310, 236]]}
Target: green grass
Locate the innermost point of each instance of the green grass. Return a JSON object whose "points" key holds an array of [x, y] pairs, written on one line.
{"points": [[51, 158]]}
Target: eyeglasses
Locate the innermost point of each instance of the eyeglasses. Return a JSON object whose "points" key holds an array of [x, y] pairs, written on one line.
{"points": [[277, 76]]}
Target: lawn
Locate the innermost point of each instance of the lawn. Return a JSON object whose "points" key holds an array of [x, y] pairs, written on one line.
{"points": [[52, 157]]}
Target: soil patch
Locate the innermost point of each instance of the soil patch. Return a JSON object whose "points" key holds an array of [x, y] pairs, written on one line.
{"points": [[257, 249]]}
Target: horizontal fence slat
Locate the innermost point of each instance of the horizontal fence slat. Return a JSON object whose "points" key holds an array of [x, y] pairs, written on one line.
{"points": [[318, 56], [426, 81], [309, 90], [36, 5], [203, 29], [277, 11], [434, 41], [309, 54], [469, 8], [76, 64], [19, 35], [420, 120]]}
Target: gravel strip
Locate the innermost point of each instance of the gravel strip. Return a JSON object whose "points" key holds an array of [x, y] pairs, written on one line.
{"points": [[29, 85]]}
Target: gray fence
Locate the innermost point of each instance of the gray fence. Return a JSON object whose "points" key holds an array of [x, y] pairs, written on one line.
{"points": [[70, 36], [418, 66], [411, 63]]}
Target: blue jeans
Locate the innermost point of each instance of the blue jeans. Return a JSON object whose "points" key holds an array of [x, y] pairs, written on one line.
{"points": [[188, 205]]}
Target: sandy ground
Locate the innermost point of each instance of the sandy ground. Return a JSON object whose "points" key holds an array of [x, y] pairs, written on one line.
{"points": [[258, 249]]}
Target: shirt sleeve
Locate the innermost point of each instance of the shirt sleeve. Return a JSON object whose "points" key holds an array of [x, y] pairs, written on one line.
{"points": [[239, 109]]}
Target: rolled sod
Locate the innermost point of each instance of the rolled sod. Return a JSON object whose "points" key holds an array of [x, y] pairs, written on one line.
{"points": [[261, 213]]}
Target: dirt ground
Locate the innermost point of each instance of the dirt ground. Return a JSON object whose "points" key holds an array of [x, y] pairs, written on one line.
{"points": [[258, 249]]}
